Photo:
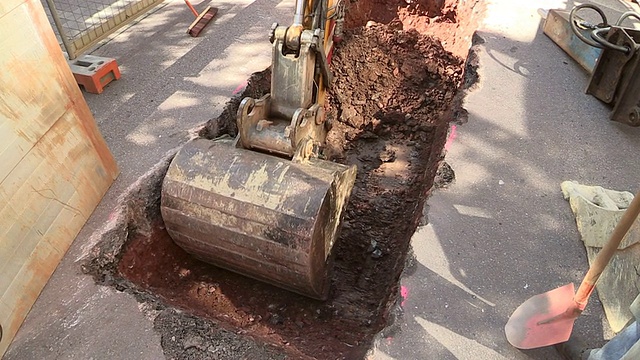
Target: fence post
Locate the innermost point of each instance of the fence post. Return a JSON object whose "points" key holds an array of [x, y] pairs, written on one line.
{"points": [[63, 35]]}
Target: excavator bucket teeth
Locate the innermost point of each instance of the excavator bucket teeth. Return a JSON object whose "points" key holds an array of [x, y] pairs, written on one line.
{"points": [[265, 217]]}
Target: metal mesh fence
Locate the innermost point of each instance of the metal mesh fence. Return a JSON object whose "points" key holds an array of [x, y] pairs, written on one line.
{"points": [[80, 24]]}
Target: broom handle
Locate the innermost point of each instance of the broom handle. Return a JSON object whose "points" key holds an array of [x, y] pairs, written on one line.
{"points": [[193, 10], [601, 261]]}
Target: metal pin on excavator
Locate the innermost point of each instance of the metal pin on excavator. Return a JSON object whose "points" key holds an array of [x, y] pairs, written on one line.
{"points": [[264, 204]]}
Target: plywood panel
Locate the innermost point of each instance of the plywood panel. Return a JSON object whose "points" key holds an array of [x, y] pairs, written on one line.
{"points": [[47, 182], [41, 262], [7, 5], [13, 148], [36, 99], [54, 164], [47, 194]]}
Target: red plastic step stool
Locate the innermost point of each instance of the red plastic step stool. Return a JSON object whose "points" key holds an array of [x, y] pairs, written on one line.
{"points": [[94, 72]]}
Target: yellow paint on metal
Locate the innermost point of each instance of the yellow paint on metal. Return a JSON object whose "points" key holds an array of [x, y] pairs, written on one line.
{"points": [[262, 186]]}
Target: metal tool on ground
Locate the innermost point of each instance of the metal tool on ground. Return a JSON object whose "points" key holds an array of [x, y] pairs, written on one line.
{"points": [[558, 28], [202, 19], [548, 318], [265, 204], [615, 77]]}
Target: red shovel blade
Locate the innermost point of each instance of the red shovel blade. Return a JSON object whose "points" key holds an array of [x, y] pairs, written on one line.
{"points": [[543, 320]]}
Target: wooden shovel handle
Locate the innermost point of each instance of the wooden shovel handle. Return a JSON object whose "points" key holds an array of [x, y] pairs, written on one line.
{"points": [[193, 10], [601, 261]]}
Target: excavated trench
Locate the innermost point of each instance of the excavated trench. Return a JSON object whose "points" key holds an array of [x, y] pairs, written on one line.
{"points": [[396, 90]]}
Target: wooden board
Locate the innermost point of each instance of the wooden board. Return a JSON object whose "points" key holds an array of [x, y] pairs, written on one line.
{"points": [[54, 164]]}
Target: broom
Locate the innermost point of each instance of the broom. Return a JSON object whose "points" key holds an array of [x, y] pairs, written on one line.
{"points": [[201, 20]]}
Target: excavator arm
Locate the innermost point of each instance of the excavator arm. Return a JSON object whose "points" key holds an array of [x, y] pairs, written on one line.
{"points": [[264, 204], [290, 120]]}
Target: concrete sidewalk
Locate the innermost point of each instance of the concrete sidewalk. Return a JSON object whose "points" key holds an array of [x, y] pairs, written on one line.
{"points": [[500, 234]]}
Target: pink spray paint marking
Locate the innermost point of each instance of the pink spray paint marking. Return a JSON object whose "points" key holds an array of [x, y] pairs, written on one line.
{"points": [[452, 136], [404, 292], [239, 88]]}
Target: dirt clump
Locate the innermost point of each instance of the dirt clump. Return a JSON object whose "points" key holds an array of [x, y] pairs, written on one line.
{"points": [[444, 176]]}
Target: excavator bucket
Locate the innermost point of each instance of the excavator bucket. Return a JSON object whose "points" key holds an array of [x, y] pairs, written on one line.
{"points": [[272, 218], [269, 218]]}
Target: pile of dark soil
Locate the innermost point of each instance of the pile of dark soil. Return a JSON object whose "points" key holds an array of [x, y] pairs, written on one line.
{"points": [[394, 94], [393, 126]]}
